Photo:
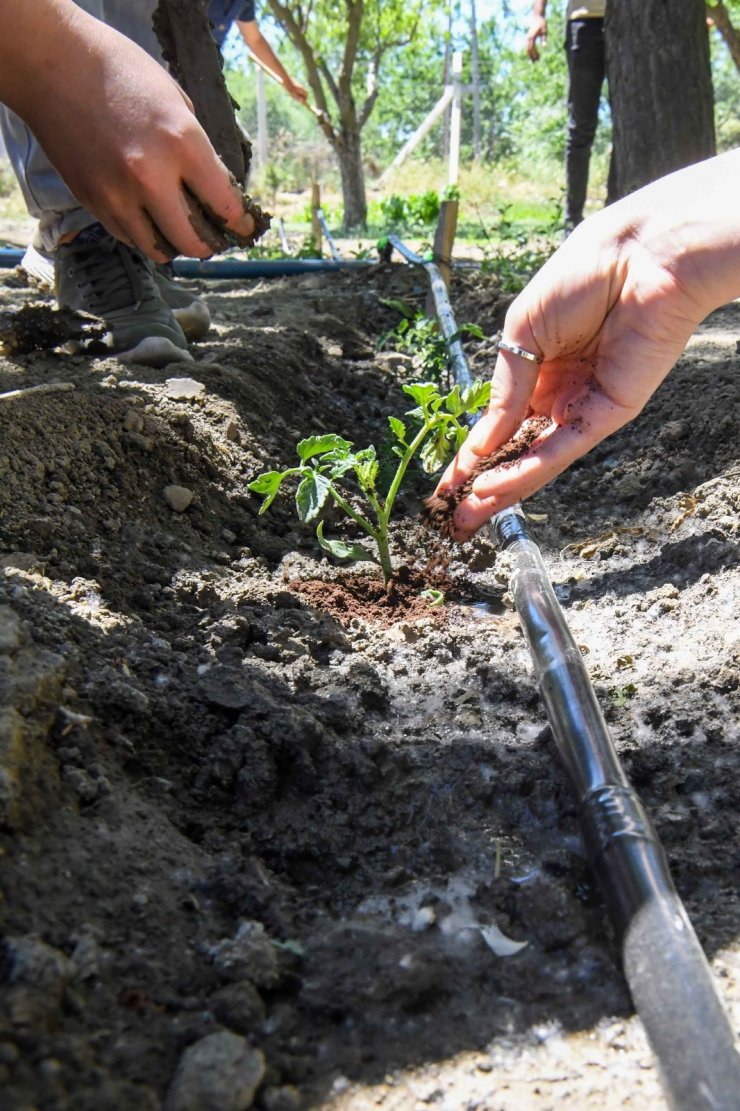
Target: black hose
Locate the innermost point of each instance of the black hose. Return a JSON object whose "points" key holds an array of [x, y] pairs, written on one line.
{"points": [[668, 975]]}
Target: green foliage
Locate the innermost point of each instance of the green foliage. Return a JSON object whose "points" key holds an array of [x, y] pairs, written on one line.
{"points": [[419, 336], [514, 253], [417, 209], [331, 471]]}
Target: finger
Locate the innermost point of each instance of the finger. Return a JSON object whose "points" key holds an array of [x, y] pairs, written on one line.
{"points": [[141, 230], [219, 196], [596, 417], [513, 382]]}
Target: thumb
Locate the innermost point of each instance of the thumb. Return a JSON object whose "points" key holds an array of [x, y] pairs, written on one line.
{"points": [[512, 385]]}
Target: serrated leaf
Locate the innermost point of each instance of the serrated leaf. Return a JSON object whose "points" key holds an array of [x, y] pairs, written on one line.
{"points": [[423, 393], [268, 484], [476, 395], [342, 549], [398, 428], [318, 445], [311, 495], [366, 467], [435, 451]]}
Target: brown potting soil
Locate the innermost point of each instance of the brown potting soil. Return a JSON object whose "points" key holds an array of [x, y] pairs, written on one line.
{"points": [[439, 509]]}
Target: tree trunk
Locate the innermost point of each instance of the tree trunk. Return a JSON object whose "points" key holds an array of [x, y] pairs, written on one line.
{"points": [[660, 88], [349, 154]]}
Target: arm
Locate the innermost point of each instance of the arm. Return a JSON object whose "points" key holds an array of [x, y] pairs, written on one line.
{"points": [[610, 313], [117, 128], [258, 45], [537, 29]]}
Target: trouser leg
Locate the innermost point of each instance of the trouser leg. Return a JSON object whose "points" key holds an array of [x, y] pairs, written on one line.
{"points": [[584, 47], [47, 197]]}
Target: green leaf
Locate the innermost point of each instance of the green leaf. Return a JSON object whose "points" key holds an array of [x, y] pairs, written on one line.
{"points": [[477, 395], [434, 597], [318, 445], [423, 393], [398, 428], [268, 484], [366, 467], [435, 451], [311, 495], [408, 311], [342, 549]]}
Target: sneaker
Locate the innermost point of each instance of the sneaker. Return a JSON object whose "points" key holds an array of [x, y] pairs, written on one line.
{"points": [[38, 265], [188, 310], [97, 274]]}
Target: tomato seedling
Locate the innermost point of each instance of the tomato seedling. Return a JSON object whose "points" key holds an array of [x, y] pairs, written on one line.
{"points": [[328, 463]]}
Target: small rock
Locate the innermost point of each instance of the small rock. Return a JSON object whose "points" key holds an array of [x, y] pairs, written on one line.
{"points": [[178, 497], [250, 955], [221, 1072], [184, 389], [133, 421]]}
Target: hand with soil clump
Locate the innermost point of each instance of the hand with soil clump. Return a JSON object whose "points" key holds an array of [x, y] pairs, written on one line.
{"points": [[119, 130], [607, 317]]}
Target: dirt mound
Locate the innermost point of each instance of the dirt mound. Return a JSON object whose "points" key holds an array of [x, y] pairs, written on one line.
{"points": [[247, 840]]}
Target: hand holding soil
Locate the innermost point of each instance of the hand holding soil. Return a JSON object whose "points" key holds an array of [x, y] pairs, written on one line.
{"points": [[610, 313], [119, 130]]}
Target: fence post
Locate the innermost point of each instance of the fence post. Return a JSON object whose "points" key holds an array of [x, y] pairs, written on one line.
{"points": [[444, 239]]}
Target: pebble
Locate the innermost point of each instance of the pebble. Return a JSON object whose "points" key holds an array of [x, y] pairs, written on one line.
{"points": [[184, 389], [221, 1072], [178, 497]]}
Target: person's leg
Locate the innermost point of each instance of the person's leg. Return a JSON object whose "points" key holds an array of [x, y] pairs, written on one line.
{"points": [[586, 71], [89, 270]]}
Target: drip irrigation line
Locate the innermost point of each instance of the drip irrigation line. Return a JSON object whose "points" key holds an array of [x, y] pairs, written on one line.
{"points": [[325, 229], [227, 268], [668, 974]]}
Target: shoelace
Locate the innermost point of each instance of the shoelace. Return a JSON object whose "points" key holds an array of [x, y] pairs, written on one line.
{"points": [[113, 275]]}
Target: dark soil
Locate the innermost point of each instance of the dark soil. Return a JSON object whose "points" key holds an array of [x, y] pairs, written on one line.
{"points": [[253, 853]]}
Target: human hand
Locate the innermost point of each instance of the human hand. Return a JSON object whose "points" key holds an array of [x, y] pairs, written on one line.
{"points": [[296, 91], [609, 313], [537, 30], [123, 136]]}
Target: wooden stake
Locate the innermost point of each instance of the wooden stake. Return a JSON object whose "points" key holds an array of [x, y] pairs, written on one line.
{"points": [[444, 239]]}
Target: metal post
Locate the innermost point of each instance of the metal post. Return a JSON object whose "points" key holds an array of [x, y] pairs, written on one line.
{"points": [[455, 118], [315, 222]]}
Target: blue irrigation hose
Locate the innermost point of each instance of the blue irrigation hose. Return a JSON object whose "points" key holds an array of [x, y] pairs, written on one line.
{"points": [[668, 975], [227, 268]]}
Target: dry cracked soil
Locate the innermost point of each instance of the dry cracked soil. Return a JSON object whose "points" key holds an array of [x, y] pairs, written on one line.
{"points": [[260, 848]]}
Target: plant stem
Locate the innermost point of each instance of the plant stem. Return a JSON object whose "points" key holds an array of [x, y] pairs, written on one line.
{"points": [[361, 521], [411, 450]]}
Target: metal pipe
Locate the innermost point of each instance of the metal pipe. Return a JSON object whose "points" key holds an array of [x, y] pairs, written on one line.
{"points": [[668, 975], [325, 228], [232, 268]]}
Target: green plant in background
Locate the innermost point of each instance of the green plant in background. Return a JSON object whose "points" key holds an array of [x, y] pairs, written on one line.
{"points": [[513, 254], [418, 335], [329, 463], [412, 211]]}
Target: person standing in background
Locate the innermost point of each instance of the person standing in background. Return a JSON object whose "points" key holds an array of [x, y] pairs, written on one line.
{"points": [[586, 56]]}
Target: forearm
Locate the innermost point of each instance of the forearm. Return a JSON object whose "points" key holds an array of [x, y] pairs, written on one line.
{"points": [[27, 46], [539, 9], [258, 46]]}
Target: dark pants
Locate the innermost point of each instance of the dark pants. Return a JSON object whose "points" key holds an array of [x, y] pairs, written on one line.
{"points": [[584, 49]]}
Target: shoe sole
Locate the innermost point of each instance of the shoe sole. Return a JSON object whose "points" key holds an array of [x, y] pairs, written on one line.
{"points": [[156, 351]]}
